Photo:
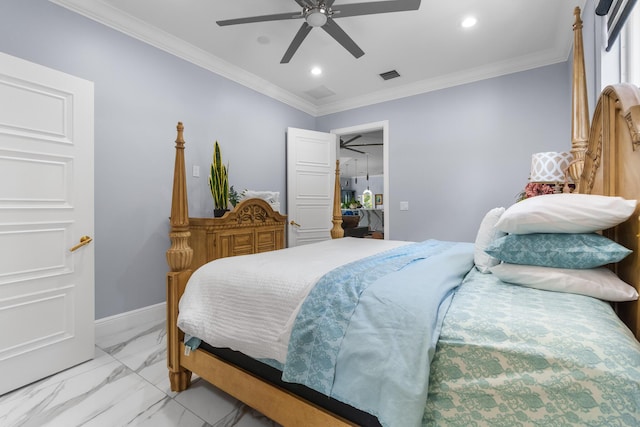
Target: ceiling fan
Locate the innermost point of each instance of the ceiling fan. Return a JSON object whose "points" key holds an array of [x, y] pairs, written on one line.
{"points": [[321, 13]]}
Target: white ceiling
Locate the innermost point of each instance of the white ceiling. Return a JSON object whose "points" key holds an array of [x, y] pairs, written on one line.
{"points": [[428, 47]]}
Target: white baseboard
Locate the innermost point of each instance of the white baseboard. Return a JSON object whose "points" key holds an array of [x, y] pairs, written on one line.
{"points": [[123, 321]]}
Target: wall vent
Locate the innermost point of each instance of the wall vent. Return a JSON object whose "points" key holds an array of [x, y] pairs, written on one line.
{"points": [[388, 75]]}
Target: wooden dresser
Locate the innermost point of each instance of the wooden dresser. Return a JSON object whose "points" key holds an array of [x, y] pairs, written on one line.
{"points": [[252, 227]]}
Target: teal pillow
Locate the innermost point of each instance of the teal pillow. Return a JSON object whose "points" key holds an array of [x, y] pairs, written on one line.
{"points": [[561, 250]]}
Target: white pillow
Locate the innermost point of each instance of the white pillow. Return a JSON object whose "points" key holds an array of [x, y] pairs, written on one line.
{"points": [[268, 196], [565, 213], [487, 233], [599, 283]]}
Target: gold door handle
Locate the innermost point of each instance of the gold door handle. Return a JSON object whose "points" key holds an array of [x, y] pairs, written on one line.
{"points": [[295, 223], [84, 240]]}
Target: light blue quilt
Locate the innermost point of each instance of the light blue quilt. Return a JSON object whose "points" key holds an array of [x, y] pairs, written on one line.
{"points": [[367, 332]]}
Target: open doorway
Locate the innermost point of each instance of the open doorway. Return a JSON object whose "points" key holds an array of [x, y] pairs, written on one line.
{"points": [[363, 151]]}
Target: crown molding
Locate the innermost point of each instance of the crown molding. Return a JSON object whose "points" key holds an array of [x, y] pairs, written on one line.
{"points": [[446, 81], [109, 16]]}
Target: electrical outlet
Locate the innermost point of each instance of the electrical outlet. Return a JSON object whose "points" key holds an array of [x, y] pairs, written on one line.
{"points": [[404, 206], [196, 171]]}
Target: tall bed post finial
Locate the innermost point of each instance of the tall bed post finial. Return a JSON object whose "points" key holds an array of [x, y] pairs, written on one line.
{"points": [[337, 231], [179, 255], [579, 105]]}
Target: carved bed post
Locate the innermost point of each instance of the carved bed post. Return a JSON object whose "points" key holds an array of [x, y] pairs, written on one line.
{"points": [[337, 232], [179, 257], [579, 105]]}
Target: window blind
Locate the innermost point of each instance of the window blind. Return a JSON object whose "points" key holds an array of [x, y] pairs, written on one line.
{"points": [[616, 12]]}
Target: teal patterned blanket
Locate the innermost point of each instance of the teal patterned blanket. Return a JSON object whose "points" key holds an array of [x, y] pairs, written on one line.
{"points": [[513, 356], [367, 332]]}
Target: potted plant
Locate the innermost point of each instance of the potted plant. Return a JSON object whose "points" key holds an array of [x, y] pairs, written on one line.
{"points": [[219, 183], [234, 196]]}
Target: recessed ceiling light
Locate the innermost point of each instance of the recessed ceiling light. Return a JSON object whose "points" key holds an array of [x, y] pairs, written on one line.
{"points": [[316, 71], [469, 22]]}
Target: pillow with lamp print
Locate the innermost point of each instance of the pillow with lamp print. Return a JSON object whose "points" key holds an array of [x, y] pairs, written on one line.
{"points": [[561, 250], [565, 213]]}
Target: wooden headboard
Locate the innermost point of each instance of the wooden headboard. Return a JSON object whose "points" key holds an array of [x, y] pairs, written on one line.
{"points": [[612, 168], [605, 161]]}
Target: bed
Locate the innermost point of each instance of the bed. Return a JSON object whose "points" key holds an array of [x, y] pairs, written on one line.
{"points": [[495, 353]]}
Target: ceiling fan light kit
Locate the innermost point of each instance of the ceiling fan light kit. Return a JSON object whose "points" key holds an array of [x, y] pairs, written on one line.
{"points": [[317, 16], [321, 13]]}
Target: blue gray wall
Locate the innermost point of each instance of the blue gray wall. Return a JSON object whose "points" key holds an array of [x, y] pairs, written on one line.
{"points": [[454, 153], [140, 95]]}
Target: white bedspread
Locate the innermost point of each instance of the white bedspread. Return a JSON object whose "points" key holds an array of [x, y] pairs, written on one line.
{"points": [[248, 303]]}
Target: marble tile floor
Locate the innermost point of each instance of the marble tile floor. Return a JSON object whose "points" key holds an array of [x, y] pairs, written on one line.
{"points": [[126, 384]]}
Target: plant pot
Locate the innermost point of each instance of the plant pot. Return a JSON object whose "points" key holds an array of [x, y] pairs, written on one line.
{"points": [[217, 213]]}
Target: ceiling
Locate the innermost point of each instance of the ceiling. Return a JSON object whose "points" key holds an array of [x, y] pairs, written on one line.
{"points": [[428, 47]]}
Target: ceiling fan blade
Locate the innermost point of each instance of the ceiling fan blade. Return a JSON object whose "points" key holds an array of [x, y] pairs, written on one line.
{"points": [[342, 143], [328, 3], [304, 3], [364, 145], [370, 8], [341, 37], [263, 18], [296, 42], [352, 149]]}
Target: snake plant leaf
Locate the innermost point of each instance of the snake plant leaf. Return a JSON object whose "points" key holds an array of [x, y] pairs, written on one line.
{"points": [[219, 180]]}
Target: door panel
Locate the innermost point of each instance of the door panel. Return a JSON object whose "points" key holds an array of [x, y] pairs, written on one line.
{"points": [[311, 158], [46, 205]]}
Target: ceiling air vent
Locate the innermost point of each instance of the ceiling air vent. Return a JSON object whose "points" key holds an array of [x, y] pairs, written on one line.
{"points": [[320, 92], [388, 75]]}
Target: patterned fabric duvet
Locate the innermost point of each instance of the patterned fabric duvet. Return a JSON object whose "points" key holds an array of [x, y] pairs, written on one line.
{"points": [[514, 356]]}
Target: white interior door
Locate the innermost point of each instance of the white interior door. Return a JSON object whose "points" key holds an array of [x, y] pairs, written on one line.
{"points": [[311, 163], [46, 205]]}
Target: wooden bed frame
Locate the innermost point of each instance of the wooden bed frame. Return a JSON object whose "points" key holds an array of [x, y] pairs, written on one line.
{"points": [[605, 162]]}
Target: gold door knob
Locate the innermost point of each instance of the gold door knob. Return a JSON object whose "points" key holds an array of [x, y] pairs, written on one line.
{"points": [[84, 240], [295, 224]]}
